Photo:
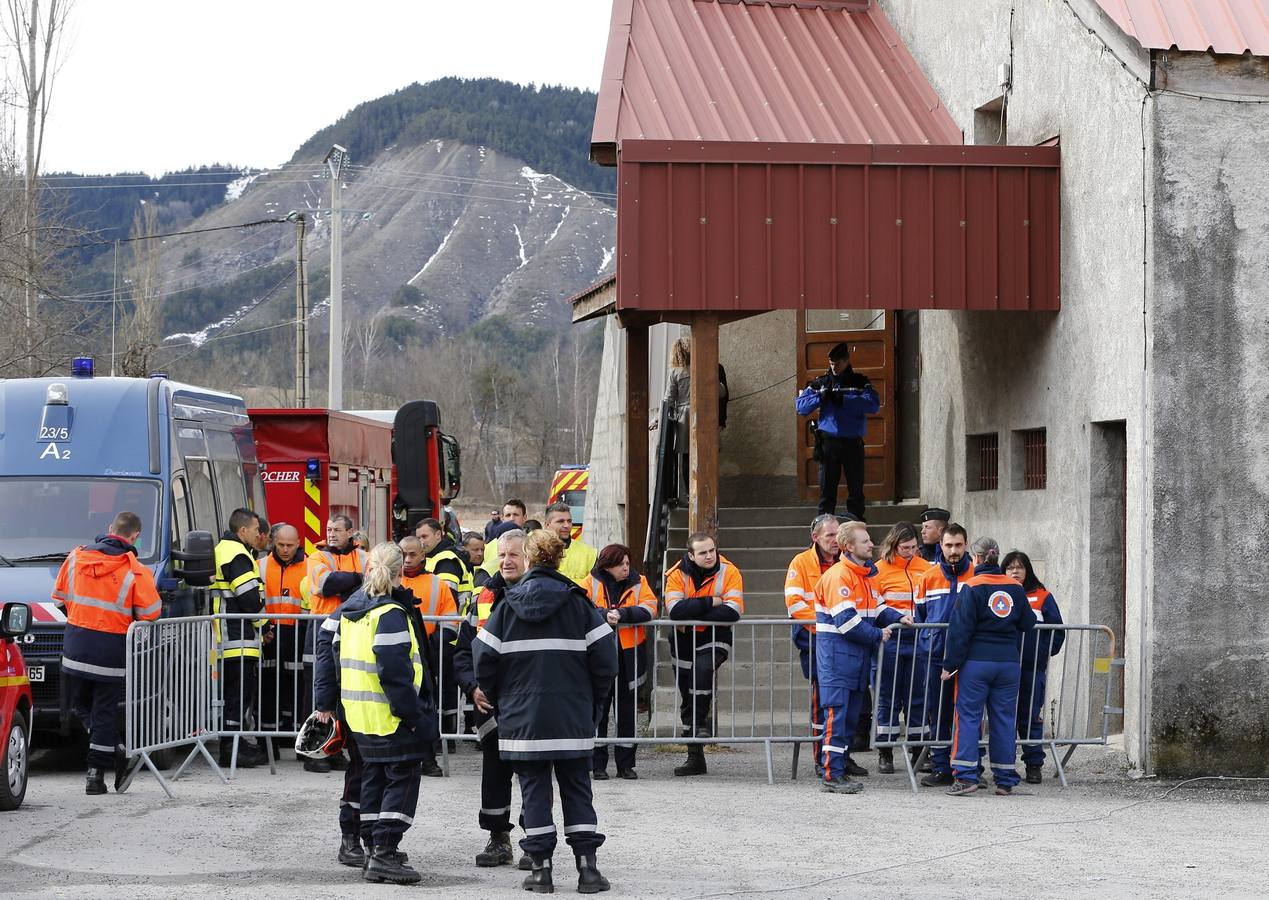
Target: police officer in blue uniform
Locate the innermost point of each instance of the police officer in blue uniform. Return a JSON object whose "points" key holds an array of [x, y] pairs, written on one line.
{"points": [[845, 399], [982, 651]]}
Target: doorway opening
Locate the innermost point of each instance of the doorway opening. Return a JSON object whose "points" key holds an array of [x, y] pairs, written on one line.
{"points": [[1108, 541]]}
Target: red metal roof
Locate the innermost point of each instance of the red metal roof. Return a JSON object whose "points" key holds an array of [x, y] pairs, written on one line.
{"points": [[744, 227], [1223, 26], [806, 71]]}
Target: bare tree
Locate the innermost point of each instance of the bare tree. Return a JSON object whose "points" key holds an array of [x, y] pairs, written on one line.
{"points": [[36, 39], [141, 332]]}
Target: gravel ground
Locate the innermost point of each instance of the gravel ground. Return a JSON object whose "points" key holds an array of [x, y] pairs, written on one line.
{"points": [[725, 834]]}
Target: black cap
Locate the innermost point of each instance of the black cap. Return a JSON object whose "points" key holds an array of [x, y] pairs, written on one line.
{"points": [[935, 512], [839, 351]]}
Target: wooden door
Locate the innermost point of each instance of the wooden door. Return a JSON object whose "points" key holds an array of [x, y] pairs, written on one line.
{"points": [[870, 334]]}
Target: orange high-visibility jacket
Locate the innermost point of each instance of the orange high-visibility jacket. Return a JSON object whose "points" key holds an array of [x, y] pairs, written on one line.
{"points": [[726, 583], [897, 581], [283, 589], [638, 596], [799, 585], [104, 592], [322, 563], [434, 599]]}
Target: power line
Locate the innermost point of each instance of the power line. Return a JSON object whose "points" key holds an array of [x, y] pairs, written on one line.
{"points": [[107, 297], [252, 307], [168, 234]]}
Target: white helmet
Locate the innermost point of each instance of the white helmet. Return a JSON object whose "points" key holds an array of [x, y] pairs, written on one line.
{"points": [[318, 739]]}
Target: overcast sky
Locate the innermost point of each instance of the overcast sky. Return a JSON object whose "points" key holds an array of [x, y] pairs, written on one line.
{"points": [[158, 86]]}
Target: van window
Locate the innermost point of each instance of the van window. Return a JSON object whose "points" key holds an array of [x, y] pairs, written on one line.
{"points": [[180, 513], [198, 471], [231, 483]]}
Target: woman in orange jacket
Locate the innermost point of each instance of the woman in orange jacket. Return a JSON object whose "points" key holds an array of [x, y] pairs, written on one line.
{"points": [[624, 594]]}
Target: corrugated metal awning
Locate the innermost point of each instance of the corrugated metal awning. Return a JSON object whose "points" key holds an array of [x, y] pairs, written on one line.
{"points": [[748, 228], [1222, 26]]}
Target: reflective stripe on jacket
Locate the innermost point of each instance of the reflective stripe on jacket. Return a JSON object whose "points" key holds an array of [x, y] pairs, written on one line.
{"points": [[321, 565], [362, 642], [236, 589], [283, 586], [451, 568], [804, 572], [849, 617], [634, 597]]}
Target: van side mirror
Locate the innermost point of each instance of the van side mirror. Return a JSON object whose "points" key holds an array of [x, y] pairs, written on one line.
{"points": [[198, 559], [15, 620], [452, 473]]}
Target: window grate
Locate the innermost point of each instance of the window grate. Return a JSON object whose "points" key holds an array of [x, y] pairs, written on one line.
{"points": [[983, 462], [1035, 461]]}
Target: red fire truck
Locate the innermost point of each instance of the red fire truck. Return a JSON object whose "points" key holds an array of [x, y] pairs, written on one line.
{"points": [[387, 471]]}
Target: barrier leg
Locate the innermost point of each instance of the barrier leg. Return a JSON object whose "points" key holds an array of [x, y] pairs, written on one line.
{"points": [[910, 766], [445, 753], [770, 769], [1062, 761], [149, 764], [268, 749], [797, 751]]}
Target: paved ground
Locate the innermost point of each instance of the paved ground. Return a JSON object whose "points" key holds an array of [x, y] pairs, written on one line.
{"points": [[726, 834]]}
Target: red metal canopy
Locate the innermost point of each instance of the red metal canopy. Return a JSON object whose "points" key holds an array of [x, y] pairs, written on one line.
{"points": [[786, 154], [748, 228]]}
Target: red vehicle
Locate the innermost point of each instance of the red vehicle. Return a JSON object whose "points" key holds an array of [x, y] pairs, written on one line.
{"points": [[318, 463], [15, 706]]}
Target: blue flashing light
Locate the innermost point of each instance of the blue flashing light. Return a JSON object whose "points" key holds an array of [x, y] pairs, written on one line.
{"points": [[82, 367], [313, 469]]}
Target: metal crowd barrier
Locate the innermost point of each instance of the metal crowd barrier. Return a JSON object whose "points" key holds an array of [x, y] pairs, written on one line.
{"points": [[1072, 683]]}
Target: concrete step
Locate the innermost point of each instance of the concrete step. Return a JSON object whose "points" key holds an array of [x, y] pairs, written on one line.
{"points": [[800, 516], [734, 541]]}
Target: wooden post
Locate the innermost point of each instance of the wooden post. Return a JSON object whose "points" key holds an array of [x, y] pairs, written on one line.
{"points": [[636, 441], [702, 513]]}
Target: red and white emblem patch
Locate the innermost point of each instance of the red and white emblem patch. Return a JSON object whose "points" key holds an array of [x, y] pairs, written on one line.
{"points": [[1000, 604]]}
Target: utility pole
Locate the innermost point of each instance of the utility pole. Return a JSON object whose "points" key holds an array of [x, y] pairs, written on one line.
{"points": [[335, 161], [301, 313]]}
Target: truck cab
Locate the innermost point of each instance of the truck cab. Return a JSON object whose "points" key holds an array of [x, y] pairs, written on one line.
{"points": [[75, 451]]}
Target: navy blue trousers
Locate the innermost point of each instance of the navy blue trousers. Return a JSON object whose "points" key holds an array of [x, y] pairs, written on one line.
{"points": [[495, 783], [993, 686], [96, 704], [350, 802], [840, 723], [580, 820], [1031, 715], [940, 714], [389, 796], [901, 690], [632, 671]]}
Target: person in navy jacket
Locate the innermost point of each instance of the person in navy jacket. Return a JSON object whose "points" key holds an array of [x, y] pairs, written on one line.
{"points": [[983, 647], [1037, 648], [845, 399], [546, 660]]}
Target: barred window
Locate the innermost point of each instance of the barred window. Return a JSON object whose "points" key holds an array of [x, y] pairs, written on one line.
{"points": [[982, 462]]}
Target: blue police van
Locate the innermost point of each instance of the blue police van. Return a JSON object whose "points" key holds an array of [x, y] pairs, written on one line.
{"points": [[75, 451]]}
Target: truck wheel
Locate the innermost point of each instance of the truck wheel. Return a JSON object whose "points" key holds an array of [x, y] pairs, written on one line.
{"points": [[13, 766]]}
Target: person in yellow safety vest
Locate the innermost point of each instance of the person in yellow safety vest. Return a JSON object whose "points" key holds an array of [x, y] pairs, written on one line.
{"points": [[434, 598], [372, 672], [335, 571], [282, 573], [441, 556], [579, 556], [514, 513], [237, 589]]}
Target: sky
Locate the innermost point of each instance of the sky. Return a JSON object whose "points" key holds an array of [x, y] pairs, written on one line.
{"points": [[158, 86]]}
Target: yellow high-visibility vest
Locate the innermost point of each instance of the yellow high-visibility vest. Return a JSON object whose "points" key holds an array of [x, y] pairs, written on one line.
{"points": [[366, 706]]}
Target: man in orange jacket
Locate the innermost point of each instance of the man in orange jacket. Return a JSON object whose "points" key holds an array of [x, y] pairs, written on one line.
{"points": [[104, 589], [282, 571], [805, 571], [703, 586]]}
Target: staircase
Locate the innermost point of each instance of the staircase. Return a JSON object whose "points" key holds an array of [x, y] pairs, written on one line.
{"points": [[762, 541]]}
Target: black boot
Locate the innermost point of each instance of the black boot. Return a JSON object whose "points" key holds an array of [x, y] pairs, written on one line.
{"points": [[386, 864], [123, 766], [695, 764], [497, 852], [539, 880], [589, 881], [921, 765], [96, 782], [885, 761], [338, 762], [248, 756], [1035, 774], [350, 852]]}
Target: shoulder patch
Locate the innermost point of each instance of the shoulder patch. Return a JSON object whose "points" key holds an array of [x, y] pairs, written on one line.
{"points": [[1000, 604], [793, 573]]}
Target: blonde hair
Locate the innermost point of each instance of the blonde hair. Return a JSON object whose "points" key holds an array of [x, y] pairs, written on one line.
{"points": [[681, 355], [543, 548], [384, 565], [846, 529]]}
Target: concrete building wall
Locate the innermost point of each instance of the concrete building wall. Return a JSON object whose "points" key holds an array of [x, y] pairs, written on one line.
{"points": [[757, 461], [998, 373], [1209, 380]]}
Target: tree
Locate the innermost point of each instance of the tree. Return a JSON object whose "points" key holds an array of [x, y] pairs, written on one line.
{"points": [[141, 333], [36, 40]]}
